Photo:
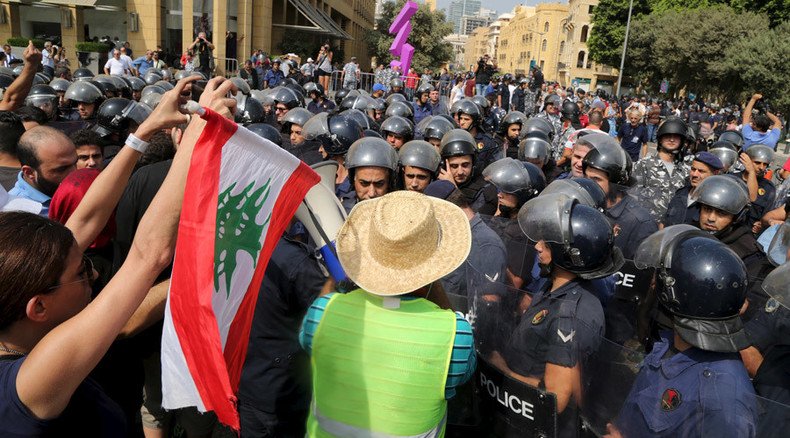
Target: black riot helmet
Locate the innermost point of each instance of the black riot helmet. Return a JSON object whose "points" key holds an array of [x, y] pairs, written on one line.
{"points": [[60, 84], [288, 97], [468, 107], [136, 83], [116, 114], [538, 127], [312, 87], [481, 102], [396, 97], [513, 117], [107, 84], [149, 89], [267, 131], [570, 111], [436, 128], [43, 97], [398, 126], [775, 284], [760, 153], [424, 87], [151, 77], [513, 177], [365, 121], [606, 154], [535, 150], [85, 92], [723, 192], [419, 153], [296, 116], [584, 190], [553, 99], [5, 81], [41, 78], [82, 74], [701, 282], [675, 125], [396, 83], [355, 102], [726, 152], [371, 133], [376, 104], [458, 142], [242, 85], [372, 152], [579, 236], [400, 109], [734, 137], [336, 133], [340, 95], [248, 110], [151, 100]]}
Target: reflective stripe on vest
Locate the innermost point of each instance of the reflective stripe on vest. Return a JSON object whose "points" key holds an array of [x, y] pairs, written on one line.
{"points": [[339, 429]]}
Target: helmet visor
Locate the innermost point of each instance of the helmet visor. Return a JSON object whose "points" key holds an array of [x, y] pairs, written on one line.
{"points": [[316, 127], [547, 218], [136, 112], [653, 252]]}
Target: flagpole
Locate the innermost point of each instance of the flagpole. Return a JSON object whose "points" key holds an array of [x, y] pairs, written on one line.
{"points": [[625, 47]]}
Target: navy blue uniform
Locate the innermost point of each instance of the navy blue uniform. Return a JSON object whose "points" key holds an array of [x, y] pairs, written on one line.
{"points": [[487, 256], [421, 111], [694, 393], [632, 223], [766, 192], [487, 151], [679, 211]]}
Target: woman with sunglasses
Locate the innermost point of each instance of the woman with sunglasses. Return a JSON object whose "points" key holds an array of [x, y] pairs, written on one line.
{"points": [[51, 334]]}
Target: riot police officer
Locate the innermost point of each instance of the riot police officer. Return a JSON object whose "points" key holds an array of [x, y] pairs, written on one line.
{"points": [[760, 156], [551, 110], [693, 383], [563, 323], [508, 134], [285, 99], [680, 209], [419, 165], [434, 130], [658, 176], [336, 134], [372, 169], [459, 156], [293, 139], [400, 109], [422, 108], [397, 131], [318, 101], [396, 87], [267, 131], [45, 98], [115, 119], [86, 97], [470, 117], [723, 202]]}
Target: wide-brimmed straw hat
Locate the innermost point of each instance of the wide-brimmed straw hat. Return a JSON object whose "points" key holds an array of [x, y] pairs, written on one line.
{"points": [[395, 244]]}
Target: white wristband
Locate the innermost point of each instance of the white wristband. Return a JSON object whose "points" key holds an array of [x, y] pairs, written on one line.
{"points": [[136, 144]]}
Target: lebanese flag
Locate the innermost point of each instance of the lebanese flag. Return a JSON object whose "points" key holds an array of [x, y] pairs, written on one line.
{"points": [[241, 193]]}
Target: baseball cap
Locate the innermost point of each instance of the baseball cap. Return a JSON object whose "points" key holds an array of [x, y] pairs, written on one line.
{"points": [[708, 158], [379, 87]]}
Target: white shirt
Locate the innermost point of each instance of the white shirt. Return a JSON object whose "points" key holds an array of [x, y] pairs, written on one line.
{"points": [[117, 67], [46, 59]]}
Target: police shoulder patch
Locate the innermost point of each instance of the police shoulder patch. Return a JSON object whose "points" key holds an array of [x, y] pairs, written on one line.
{"points": [[771, 305], [670, 400], [761, 191], [539, 317], [480, 146]]}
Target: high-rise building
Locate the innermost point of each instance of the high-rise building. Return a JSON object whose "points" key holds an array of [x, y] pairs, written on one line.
{"points": [[459, 8], [471, 22]]}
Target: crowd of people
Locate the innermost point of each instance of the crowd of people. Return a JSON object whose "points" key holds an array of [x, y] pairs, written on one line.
{"points": [[518, 203]]}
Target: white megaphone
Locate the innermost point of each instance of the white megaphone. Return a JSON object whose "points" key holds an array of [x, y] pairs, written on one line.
{"points": [[322, 215]]}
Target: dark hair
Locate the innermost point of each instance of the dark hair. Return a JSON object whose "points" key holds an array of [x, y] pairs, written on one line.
{"points": [[11, 129], [31, 113], [160, 148], [595, 118], [761, 122], [85, 137], [33, 253]]}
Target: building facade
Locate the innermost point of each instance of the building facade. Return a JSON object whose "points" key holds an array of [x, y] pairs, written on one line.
{"points": [[535, 36], [476, 46], [576, 68], [471, 22], [236, 27]]}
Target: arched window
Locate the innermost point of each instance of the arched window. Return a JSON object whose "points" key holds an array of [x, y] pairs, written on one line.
{"points": [[546, 27], [562, 46], [544, 45], [580, 60], [585, 31]]}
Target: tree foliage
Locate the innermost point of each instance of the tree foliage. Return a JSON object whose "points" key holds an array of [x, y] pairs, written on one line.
{"points": [[666, 46], [428, 30]]}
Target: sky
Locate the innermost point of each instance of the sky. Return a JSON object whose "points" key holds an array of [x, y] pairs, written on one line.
{"points": [[501, 6]]}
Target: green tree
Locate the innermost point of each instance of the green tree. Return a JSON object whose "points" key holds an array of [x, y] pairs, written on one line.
{"points": [[759, 64], [608, 29], [665, 45], [428, 30]]}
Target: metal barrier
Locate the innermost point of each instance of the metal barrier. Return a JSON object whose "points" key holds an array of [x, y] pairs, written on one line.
{"points": [[366, 81], [231, 66]]}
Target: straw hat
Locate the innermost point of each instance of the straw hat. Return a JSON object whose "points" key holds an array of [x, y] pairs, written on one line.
{"points": [[395, 244]]}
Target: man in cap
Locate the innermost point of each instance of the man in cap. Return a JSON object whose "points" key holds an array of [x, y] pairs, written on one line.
{"points": [[308, 69], [680, 209], [693, 382], [367, 344]]}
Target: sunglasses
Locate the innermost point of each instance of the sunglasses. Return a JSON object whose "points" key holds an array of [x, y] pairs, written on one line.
{"points": [[87, 274]]}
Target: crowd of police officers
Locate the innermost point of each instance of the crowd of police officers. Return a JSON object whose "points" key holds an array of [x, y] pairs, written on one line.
{"points": [[702, 335]]}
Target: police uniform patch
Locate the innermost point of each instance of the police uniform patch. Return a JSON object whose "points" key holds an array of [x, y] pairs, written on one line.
{"points": [[670, 400], [539, 317], [480, 146], [771, 305], [761, 191]]}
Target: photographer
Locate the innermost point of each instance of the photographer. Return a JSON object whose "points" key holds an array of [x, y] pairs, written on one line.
{"points": [[763, 128], [203, 48], [483, 74]]}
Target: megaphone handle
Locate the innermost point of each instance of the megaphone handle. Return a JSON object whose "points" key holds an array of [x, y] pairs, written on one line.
{"points": [[328, 250]]}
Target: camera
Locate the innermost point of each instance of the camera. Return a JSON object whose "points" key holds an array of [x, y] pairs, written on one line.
{"points": [[762, 105]]}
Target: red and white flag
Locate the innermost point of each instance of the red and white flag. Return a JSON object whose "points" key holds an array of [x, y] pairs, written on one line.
{"points": [[241, 193]]}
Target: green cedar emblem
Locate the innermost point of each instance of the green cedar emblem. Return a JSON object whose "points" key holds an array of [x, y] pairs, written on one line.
{"points": [[237, 229]]}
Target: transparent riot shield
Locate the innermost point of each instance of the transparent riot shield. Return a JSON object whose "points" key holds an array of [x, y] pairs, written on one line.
{"points": [[520, 333]]}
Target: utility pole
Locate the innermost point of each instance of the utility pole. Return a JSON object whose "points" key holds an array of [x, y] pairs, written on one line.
{"points": [[625, 47]]}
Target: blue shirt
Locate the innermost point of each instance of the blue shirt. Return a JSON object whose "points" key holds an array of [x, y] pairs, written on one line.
{"points": [[24, 190], [273, 77], [632, 138], [142, 65], [421, 112], [462, 363], [750, 137], [693, 393]]}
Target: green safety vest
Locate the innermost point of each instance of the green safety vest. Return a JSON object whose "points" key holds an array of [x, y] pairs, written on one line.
{"points": [[380, 372]]}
